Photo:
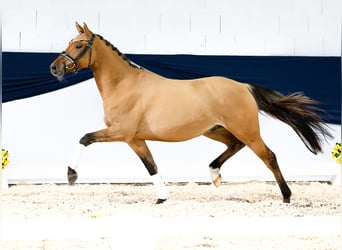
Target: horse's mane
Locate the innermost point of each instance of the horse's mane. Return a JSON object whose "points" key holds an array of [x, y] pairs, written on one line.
{"points": [[119, 52]]}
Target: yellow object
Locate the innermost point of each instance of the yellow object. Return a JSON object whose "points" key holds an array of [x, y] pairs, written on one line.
{"points": [[94, 216], [5, 158], [337, 153]]}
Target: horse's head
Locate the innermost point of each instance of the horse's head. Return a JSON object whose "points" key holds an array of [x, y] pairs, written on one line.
{"points": [[76, 56]]}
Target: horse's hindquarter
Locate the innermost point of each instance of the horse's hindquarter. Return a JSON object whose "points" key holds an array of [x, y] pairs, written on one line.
{"points": [[178, 110]]}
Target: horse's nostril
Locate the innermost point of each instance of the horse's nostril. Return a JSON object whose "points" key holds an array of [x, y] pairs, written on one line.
{"points": [[53, 67]]}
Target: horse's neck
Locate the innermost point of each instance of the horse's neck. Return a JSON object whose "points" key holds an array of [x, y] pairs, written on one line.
{"points": [[109, 69]]}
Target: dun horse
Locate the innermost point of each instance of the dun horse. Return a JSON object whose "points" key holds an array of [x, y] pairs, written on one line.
{"points": [[140, 105]]}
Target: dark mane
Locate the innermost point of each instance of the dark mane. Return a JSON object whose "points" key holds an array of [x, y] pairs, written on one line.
{"points": [[119, 52]]}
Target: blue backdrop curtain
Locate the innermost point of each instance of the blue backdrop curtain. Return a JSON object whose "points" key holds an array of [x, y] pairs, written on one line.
{"points": [[28, 74]]}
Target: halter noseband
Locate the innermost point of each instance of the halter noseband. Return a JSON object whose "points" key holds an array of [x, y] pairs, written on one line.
{"points": [[80, 55]]}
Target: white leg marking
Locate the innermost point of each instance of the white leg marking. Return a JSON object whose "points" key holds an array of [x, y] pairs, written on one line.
{"points": [[214, 173], [76, 155], [160, 186], [215, 176]]}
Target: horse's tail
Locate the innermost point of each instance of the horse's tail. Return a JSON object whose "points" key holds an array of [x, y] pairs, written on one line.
{"points": [[296, 110]]}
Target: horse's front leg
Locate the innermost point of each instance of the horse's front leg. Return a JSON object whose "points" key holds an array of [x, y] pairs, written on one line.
{"points": [[141, 149], [104, 135]]}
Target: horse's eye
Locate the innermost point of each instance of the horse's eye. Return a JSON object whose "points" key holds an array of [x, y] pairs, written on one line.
{"points": [[78, 46]]}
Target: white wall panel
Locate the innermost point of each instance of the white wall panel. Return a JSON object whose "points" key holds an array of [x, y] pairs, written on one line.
{"points": [[155, 44], [249, 45], [178, 5], [293, 20], [324, 25], [332, 44], [11, 40], [129, 43], [305, 44], [203, 22], [279, 45], [264, 24], [308, 7], [39, 43], [12, 27], [137, 21], [174, 22], [11, 20], [332, 8], [294, 25], [233, 24], [220, 44]]}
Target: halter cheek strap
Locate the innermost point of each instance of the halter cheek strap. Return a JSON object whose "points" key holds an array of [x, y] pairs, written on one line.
{"points": [[74, 61]]}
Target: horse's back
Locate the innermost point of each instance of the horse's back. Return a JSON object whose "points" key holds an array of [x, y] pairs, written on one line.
{"points": [[225, 93], [215, 94]]}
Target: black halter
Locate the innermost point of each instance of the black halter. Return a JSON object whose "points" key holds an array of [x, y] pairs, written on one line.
{"points": [[80, 55]]}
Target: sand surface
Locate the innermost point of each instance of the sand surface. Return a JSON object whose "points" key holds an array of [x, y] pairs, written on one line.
{"points": [[187, 200]]}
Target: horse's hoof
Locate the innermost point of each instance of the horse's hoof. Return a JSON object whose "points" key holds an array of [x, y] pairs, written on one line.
{"points": [[72, 176], [160, 201], [286, 200], [217, 181]]}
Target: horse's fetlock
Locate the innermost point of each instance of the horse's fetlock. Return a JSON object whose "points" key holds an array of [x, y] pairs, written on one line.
{"points": [[215, 176]]}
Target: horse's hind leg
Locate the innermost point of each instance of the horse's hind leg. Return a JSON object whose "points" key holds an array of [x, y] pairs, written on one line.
{"points": [[219, 133], [141, 149], [269, 158]]}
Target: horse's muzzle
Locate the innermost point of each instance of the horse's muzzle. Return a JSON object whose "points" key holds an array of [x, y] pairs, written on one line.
{"points": [[57, 71]]}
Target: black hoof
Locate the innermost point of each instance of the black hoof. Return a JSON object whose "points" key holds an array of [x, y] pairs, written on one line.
{"points": [[286, 200], [160, 201], [72, 176]]}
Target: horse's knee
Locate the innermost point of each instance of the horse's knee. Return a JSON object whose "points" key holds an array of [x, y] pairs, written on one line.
{"points": [[87, 139]]}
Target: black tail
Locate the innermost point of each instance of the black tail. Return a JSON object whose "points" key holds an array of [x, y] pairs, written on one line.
{"points": [[296, 110]]}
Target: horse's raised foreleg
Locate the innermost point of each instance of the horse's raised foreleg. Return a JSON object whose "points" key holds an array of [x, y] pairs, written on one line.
{"points": [[141, 149], [104, 135], [219, 133]]}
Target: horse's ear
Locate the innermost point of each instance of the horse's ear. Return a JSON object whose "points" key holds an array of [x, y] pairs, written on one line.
{"points": [[79, 28], [86, 30]]}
